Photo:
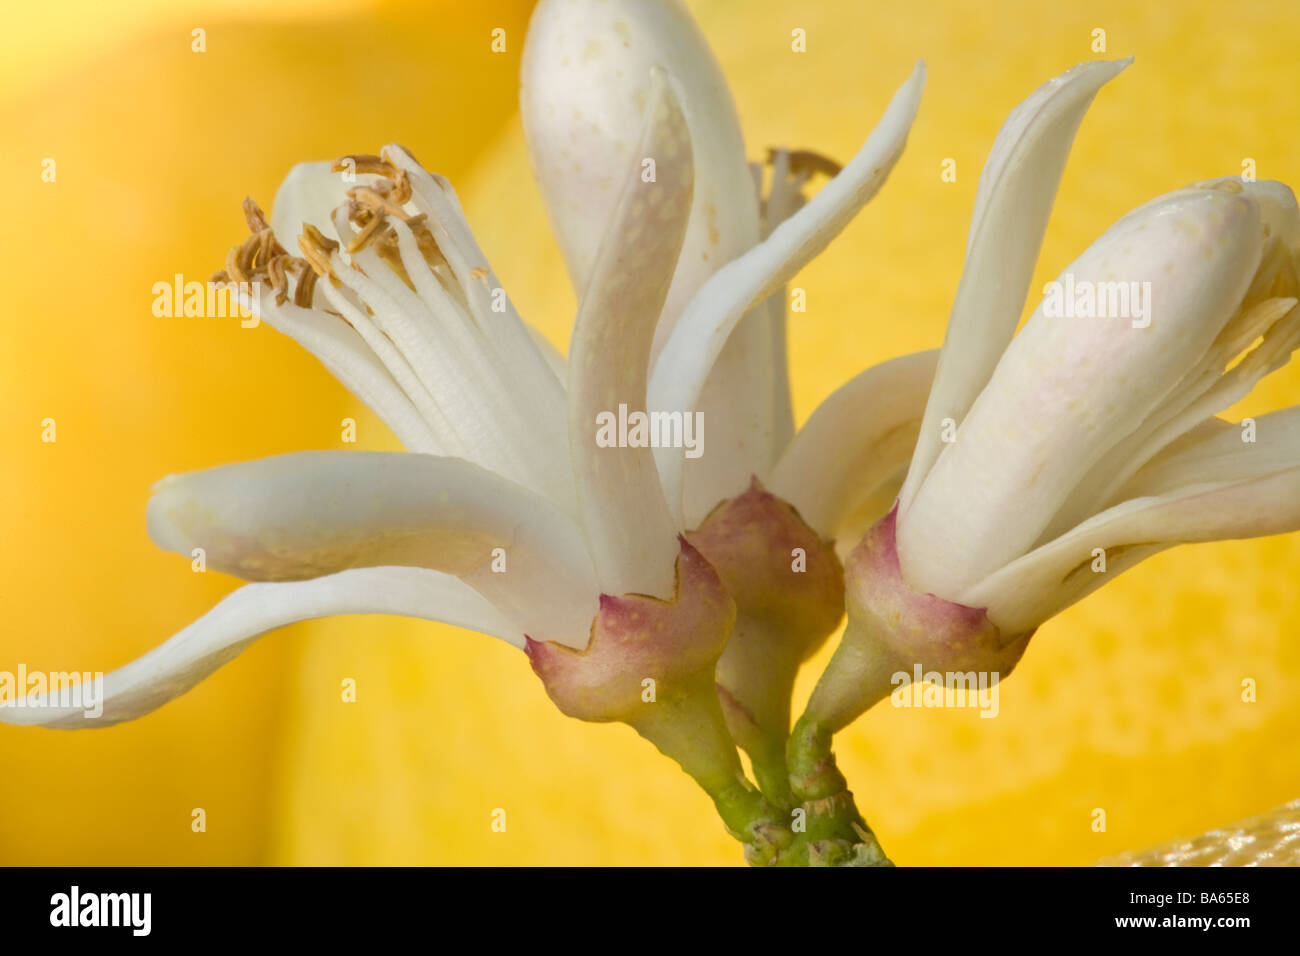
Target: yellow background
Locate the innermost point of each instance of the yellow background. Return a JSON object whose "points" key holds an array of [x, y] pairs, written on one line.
{"points": [[1130, 702]]}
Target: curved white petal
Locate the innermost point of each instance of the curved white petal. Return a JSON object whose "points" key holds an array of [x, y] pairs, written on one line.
{"points": [[585, 83], [554, 357], [855, 441], [1202, 393], [303, 515], [626, 520], [342, 350], [1279, 210], [1012, 205], [584, 87], [707, 322], [518, 394], [1224, 452], [219, 636], [1068, 388], [1051, 578]]}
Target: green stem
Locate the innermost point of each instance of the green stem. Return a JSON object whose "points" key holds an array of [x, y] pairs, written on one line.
{"points": [[688, 726], [834, 832]]}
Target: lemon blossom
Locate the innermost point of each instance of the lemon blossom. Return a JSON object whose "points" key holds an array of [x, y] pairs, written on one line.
{"points": [[719, 349], [507, 518], [1053, 460], [506, 515]]}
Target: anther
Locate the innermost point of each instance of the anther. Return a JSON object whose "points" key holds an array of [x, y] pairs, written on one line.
{"points": [[807, 161]]}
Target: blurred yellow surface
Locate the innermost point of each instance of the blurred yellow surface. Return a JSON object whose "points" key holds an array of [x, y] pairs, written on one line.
{"points": [[1130, 703]]}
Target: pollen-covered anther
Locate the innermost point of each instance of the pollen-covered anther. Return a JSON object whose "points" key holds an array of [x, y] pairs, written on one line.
{"points": [[806, 162], [260, 258], [374, 222], [364, 163], [379, 200], [389, 193], [279, 283], [306, 277], [316, 249], [254, 216]]}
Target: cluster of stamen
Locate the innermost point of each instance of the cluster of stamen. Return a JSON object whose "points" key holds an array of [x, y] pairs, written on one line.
{"points": [[260, 258], [368, 207]]}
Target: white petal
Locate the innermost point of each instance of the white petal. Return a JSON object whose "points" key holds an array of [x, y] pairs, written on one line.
{"points": [[1223, 454], [1015, 196], [855, 441], [585, 83], [312, 513], [512, 353], [1279, 210], [1202, 394], [627, 523], [554, 357], [706, 324], [1068, 389], [257, 609], [345, 354], [1051, 578]]}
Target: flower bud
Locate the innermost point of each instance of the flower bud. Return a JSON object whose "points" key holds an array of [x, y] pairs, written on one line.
{"points": [[789, 592]]}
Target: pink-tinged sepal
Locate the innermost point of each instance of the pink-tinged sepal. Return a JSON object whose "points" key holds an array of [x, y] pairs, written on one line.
{"points": [[641, 648], [895, 630], [920, 628], [650, 664]]}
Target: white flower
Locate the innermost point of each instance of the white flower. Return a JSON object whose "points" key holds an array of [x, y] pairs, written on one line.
{"points": [[1098, 431], [1049, 462], [504, 516]]}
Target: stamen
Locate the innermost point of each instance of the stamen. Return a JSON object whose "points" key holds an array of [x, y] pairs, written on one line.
{"points": [[316, 248], [247, 252], [365, 163], [402, 188], [362, 238], [253, 215], [261, 257], [275, 272], [232, 265], [306, 277], [386, 248], [807, 162], [377, 200]]}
